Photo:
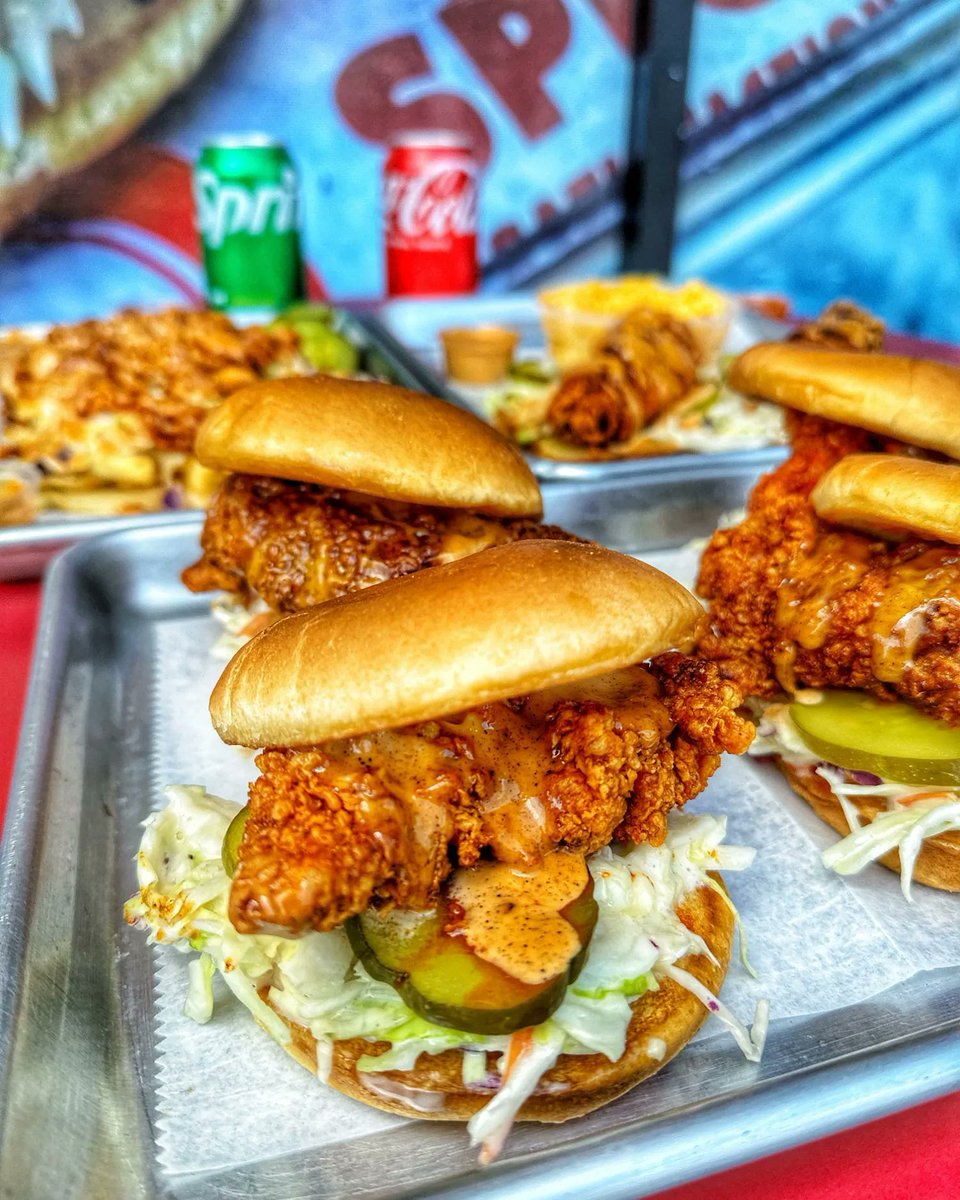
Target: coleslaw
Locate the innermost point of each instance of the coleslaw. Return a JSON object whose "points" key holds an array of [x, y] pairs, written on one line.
{"points": [[240, 620], [722, 419], [316, 982], [913, 812]]}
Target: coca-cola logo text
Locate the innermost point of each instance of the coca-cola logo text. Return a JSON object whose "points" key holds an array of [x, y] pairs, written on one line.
{"points": [[438, 203]]}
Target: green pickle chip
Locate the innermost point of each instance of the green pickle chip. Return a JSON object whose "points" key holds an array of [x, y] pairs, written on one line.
{"points": [[229, 853], [324, 348], [441, 979], [855, 730], [306, 313]]}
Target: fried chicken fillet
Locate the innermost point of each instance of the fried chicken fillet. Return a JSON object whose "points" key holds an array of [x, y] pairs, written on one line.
{"points": [[796, 601], [297, 544], [386, 817]]}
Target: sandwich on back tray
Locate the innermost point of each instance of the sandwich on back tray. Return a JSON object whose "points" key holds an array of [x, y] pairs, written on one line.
{"points": [[336, 484], [460, 888], [835, 604]]}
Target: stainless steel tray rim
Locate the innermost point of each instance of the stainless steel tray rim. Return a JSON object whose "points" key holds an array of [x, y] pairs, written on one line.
{"points": [[17, 847]]}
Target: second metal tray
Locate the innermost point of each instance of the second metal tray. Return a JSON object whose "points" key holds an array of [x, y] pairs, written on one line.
{"points": [[410, 329], [78, 1042]]}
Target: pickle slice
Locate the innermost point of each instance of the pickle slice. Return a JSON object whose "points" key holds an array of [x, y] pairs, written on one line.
{"points": [[230, 851], [397, 936], [894, 740], [440, 978]]}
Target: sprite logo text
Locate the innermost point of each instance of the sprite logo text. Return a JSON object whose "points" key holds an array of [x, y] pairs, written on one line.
{"points": [[224, 209]]}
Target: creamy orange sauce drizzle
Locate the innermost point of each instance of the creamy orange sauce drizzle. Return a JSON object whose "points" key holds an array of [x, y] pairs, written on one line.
{"points": [[510, 751], [901, 618], [512, 918], [805, 600], [897, 620], [505, 747]]}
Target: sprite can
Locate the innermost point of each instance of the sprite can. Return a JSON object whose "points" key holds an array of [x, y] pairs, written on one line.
{"points": [[247, 200]]}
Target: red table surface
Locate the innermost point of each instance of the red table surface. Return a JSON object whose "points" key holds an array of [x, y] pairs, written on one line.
{"points": [[914, 1154]]}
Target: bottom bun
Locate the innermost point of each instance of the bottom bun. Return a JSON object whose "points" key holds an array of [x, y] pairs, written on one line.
{"points": [[578, 1083], [938, 863]]}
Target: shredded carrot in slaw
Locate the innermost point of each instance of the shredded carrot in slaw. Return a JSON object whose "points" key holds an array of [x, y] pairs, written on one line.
{"points": [[520, 1046], [520, 1043], [916, 797]]}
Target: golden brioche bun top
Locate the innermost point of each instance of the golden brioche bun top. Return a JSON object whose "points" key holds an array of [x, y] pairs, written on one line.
{"points": [[515, 619], [892, 494], [369, 437], [908, 399]]}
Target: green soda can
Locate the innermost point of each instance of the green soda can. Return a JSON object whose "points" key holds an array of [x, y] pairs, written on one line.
{"points": [[247, 200]]}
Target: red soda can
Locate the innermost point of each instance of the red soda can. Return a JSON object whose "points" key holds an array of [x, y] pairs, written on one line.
{"points": [[430, 215]]}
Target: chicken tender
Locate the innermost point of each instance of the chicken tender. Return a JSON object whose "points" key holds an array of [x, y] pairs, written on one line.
{"points": [[386, 817], [648, 363], [796, 601], [297, 544]]}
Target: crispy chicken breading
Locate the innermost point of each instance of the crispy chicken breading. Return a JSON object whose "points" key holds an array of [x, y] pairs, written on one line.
{"points": [[105, 412], [297, 544], [163, 370], [388, 816], [795, 600]]}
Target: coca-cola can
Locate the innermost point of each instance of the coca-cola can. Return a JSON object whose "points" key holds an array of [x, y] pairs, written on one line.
{"points": [[430, 215]]}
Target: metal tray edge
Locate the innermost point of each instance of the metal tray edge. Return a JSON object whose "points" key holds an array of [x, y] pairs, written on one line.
{"points": [[18, 848]]}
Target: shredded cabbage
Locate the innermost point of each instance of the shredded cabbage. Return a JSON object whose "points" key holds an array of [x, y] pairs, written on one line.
{"points": [[521, 406], [725, 420], [474, 1068], [198, 1005], [777, 734], [751, 1040], [314, 980], [913, 814], [902, 829], [183, 901], [491, 1125]]}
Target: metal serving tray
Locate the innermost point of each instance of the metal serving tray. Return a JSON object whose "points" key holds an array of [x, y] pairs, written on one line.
{"points": [[78, 1047], [410, 328], [25, 550]]}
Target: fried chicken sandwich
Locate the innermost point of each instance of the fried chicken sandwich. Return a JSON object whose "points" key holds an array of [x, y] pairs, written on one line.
{"points": [[460, 888], [835, 604], [336, 484]]}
